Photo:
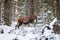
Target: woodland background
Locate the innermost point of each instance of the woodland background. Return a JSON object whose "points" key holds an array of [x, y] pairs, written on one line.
{"points": [[12, 9], [45, 27]]}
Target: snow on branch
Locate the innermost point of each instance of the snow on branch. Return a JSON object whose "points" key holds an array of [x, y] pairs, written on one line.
{"points": [[52, 23]]}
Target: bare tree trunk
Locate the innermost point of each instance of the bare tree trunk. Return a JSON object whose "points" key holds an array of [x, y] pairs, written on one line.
{"points": [[35, 8], [0, 12], [56, 27], [15, 9], [7, 12], [58, 9]]}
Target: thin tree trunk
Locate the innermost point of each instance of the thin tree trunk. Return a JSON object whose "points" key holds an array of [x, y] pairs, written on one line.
{"points": [[35, 8], [58, 9], [0, 12], [56, 27], [7, 12]]}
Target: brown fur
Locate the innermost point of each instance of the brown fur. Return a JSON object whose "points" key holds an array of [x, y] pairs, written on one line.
{"points": [[26, 20]]}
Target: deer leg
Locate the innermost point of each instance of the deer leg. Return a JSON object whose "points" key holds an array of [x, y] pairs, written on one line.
{"points": [[18, 24]]}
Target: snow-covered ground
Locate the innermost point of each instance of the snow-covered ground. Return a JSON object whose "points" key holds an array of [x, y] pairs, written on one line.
{"points": [[28, 33]]}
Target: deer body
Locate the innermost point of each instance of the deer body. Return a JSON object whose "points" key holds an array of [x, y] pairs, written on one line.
{"points": [[26, 20]]}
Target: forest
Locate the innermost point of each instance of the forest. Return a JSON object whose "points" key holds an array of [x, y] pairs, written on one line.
{"points": [[30, 19]]}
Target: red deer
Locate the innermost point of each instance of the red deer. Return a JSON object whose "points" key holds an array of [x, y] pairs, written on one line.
{"points": [[26, 20]]}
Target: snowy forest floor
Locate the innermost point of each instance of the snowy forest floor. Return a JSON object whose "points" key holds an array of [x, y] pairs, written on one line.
{"points": [[28, 33]]}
